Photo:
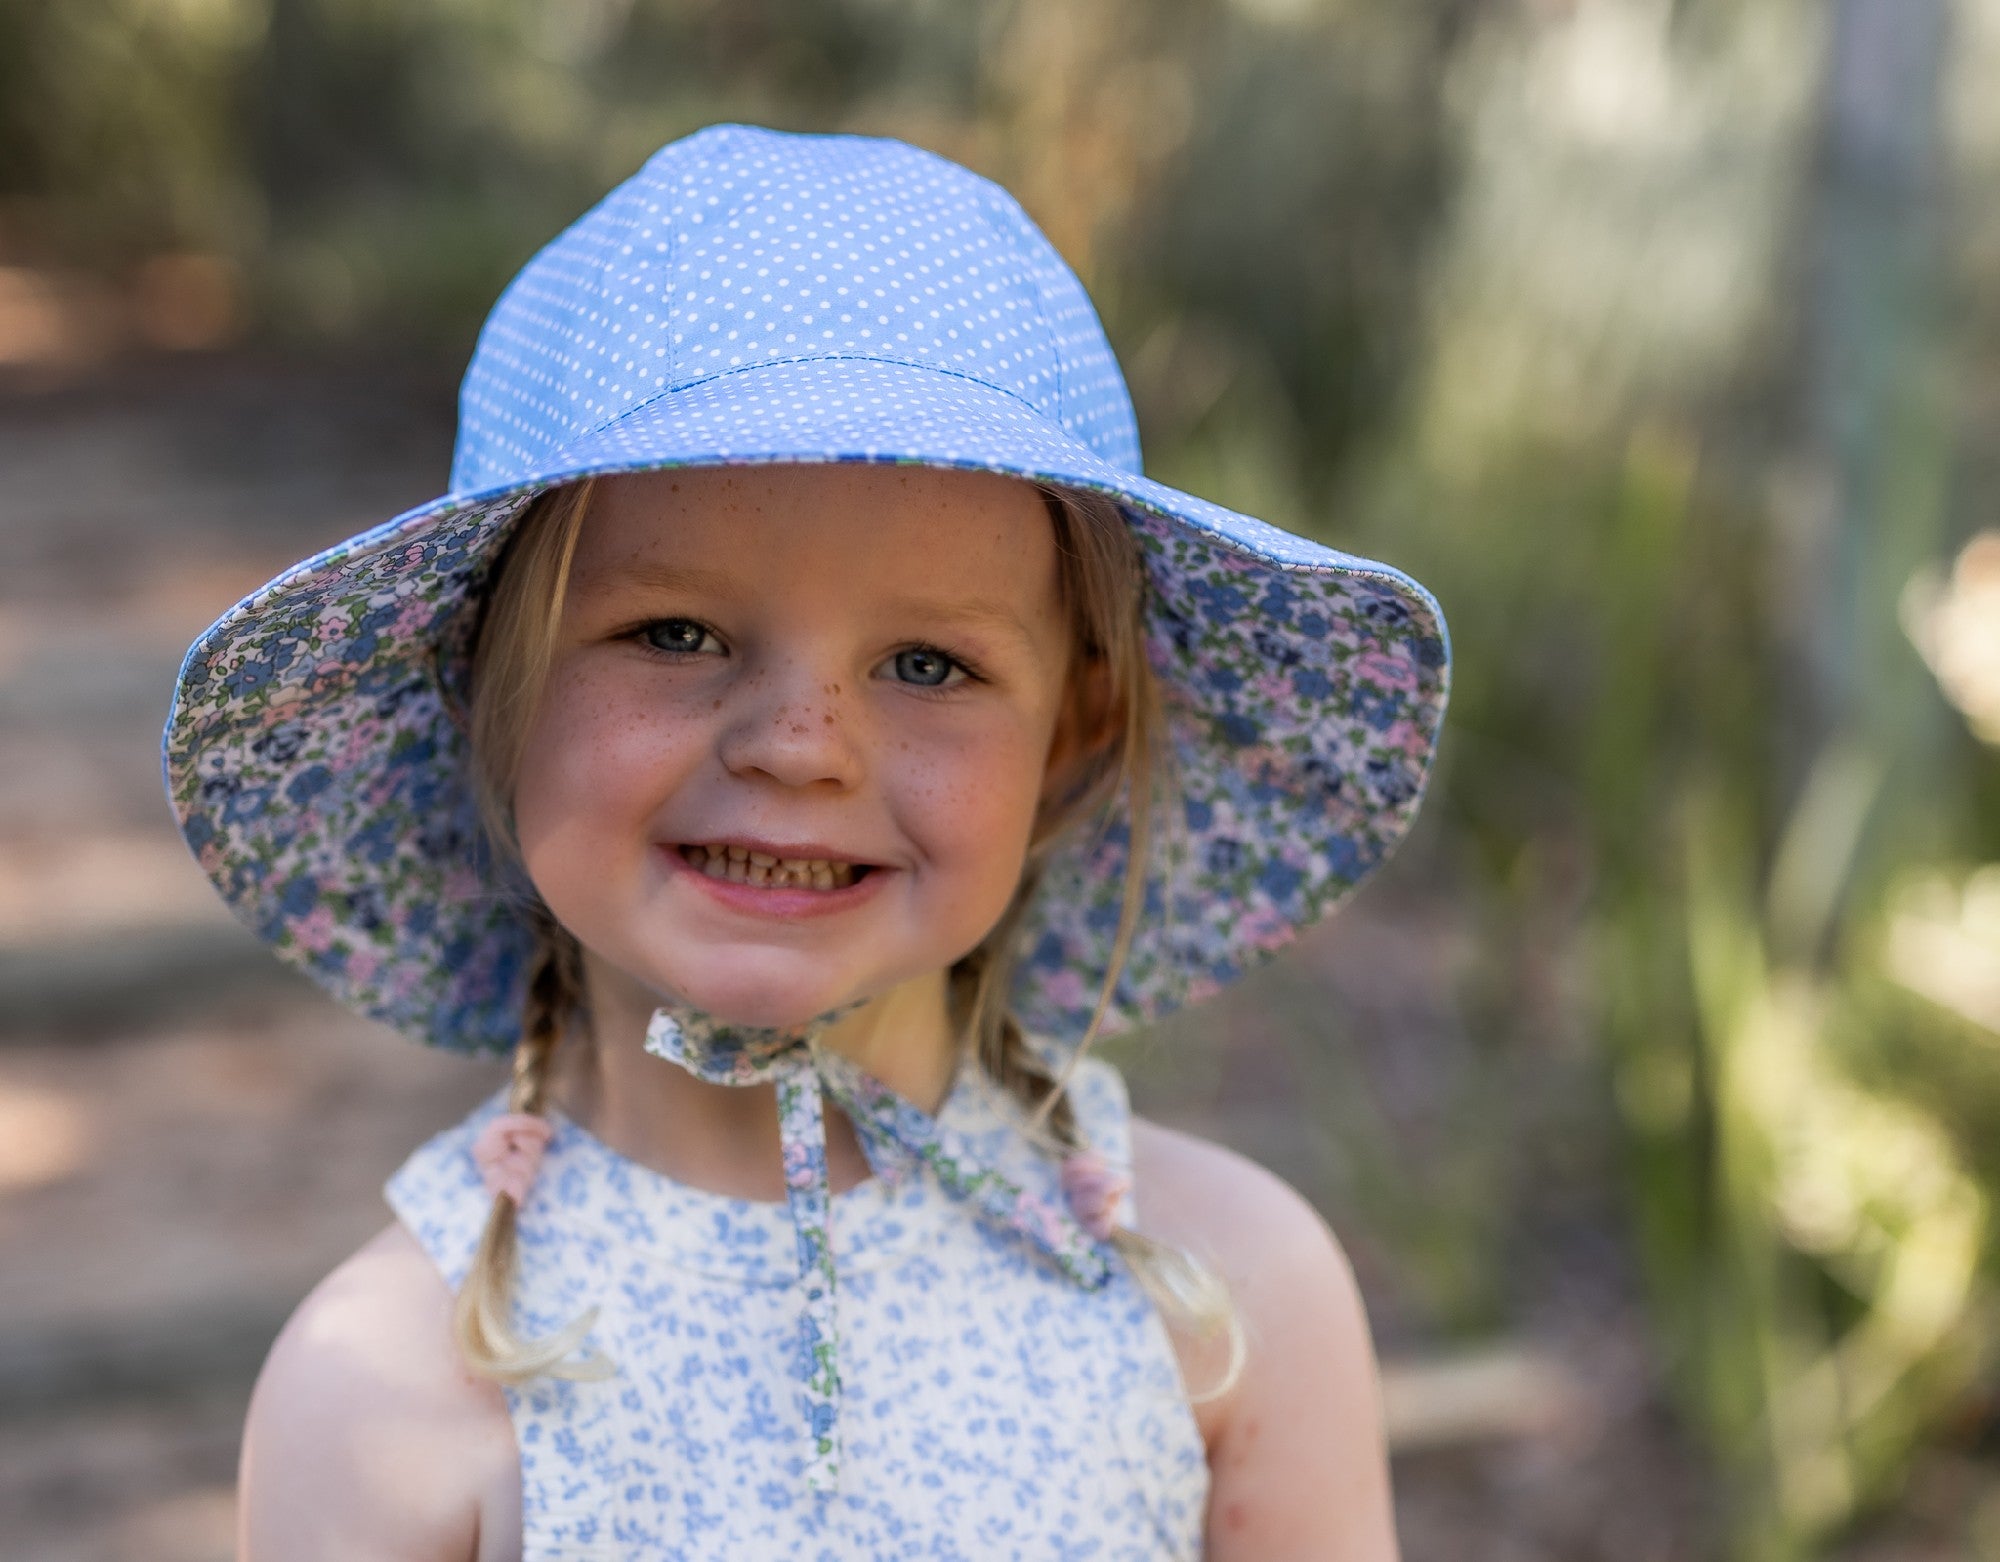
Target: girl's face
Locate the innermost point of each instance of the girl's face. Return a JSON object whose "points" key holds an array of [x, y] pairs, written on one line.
{"points": [[796, 728]]}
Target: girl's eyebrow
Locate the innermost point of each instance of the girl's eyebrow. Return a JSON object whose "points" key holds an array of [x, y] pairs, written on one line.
{"points": [[658, 575], [978, 612], [731, 587]]}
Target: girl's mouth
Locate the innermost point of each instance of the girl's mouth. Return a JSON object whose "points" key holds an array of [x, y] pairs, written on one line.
{"points": [[745, 865]]}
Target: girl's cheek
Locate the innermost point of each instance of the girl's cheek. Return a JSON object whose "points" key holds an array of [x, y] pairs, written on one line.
{"points": [[978, 798], [600, 747]]}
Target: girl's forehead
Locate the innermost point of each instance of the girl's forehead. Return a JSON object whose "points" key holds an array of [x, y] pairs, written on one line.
{"points": [[875, 510], [858, 522]]}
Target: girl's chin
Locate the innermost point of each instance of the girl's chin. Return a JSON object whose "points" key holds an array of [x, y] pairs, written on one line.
{"points": [[754, 1005], [758, 1009]]}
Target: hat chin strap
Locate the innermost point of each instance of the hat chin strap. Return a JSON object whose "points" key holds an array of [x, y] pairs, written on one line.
{"points": [[724, 1053], [895, 1136]]}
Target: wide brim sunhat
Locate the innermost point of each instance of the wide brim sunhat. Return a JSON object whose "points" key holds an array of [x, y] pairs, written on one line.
{"points": [[751, 296]]}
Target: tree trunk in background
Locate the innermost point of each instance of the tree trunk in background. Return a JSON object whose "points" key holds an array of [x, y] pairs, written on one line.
{"points": [[1874, 437]]}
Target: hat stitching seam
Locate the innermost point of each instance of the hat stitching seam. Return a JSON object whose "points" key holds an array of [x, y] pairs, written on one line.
{"points": [[772, 363]]}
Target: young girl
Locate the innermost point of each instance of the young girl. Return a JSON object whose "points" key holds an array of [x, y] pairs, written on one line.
{"points": [[796, 736]]}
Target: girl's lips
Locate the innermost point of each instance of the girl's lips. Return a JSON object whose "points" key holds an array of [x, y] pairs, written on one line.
{"points": [[786, 902]]}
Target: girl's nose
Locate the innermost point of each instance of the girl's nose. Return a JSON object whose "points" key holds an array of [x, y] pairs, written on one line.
{"points": [[796, 728]]}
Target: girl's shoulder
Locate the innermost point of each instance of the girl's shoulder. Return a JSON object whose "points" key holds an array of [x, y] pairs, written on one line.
{"points": [[1212, 1199], [365, 1435], [1296, 1450]]}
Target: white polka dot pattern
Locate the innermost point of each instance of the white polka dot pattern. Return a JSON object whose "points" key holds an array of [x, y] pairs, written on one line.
{"points": [[738, 248]]}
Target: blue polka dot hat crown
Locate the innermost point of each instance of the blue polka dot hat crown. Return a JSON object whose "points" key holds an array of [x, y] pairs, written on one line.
{"points": [[753, 296]]}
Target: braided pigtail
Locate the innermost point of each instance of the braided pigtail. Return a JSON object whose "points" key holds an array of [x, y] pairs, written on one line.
{"points": [[1104, 581], [512, 644], [1189, 1294], [482, 1317]]}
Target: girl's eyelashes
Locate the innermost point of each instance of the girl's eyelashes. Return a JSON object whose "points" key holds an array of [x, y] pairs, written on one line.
{"points": [[927, 668], [677, 636]]}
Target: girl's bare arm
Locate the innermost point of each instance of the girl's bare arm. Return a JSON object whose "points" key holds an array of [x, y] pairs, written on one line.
{"points": [[1297, 1459], [366, 1438]]}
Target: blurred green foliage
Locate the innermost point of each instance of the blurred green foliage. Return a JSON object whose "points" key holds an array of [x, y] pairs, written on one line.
{"points": [[1657, 336]]}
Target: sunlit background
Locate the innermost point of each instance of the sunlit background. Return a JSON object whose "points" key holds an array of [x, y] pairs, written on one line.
{"points": [[1654, 1088]]}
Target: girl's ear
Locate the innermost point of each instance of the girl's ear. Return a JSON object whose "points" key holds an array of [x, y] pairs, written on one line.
{"points": [[1084, 730]]}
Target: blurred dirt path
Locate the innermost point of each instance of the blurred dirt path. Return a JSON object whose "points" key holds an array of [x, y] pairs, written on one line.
{"points": [[189, 1137]]}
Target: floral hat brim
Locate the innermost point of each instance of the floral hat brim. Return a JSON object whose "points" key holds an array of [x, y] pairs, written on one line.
{"points": [[755, 296], [324, 785]]}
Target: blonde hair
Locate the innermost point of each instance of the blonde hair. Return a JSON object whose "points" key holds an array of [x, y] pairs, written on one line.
{"points": [[1103, 582]]}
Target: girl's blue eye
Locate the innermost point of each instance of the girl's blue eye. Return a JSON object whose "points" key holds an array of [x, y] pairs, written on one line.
{"points": [[676, 634], [924, 667]]}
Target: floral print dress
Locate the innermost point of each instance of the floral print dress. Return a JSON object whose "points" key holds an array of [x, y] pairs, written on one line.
{"points": [[990, 1407]]}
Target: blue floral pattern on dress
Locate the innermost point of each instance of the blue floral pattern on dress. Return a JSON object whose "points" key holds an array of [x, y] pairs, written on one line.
{"points": [[992, 1407], [893, 1133]]}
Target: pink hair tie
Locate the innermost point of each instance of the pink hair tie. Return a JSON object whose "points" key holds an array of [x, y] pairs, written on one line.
{"points": [[508, 1153], [1094, 1191]]}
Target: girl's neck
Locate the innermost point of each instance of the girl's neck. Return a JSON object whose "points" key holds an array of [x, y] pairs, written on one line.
{"points": [[724, 1138]]}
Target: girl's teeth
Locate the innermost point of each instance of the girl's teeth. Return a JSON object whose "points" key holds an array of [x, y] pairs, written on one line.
{"points": [[742, 866]]}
